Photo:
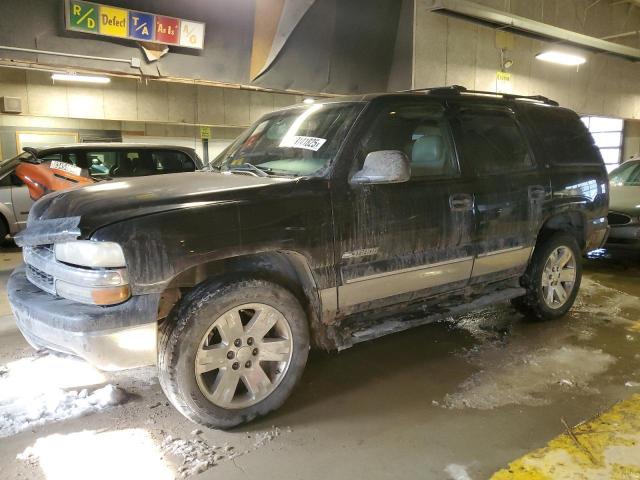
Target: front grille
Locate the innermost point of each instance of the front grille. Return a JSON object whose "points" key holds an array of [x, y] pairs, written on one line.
{"points": [[40, 279], [618, 218]]}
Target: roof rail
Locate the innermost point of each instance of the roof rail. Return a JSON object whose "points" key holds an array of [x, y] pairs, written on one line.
{"points": [[458, 90]]}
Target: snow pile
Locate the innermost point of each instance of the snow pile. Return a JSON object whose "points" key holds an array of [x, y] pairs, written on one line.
{"points": [[457, 472], [39, 390], [510, 376], [54, 406], [197, 456]]}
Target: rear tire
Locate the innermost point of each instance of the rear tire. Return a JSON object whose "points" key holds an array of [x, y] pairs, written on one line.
{"points": [[4, 231], [230, 352], [552, 278]]}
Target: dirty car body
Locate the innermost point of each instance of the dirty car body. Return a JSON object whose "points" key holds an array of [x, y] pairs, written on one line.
{"points": [[476, 183]]}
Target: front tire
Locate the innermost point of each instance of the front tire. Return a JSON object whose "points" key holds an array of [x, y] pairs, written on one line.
{"points": [[231, 352], [552, 279]]}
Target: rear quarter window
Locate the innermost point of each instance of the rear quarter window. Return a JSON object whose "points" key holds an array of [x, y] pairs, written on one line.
{"points": [[563, 136], [172, 161]]}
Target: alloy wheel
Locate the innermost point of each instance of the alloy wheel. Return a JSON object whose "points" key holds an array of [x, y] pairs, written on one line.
{"points": [[243, 356], [558, 277]]}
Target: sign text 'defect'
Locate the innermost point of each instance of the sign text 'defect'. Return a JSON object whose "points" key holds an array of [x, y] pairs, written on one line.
{"points": [[90, 17]]}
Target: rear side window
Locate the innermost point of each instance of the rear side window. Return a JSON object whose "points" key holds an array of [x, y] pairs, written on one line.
{"points": [[490, 140], [563, 136], [172, 161]]}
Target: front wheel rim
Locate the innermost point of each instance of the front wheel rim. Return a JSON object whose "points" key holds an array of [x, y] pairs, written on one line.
{"points": [[558, 277], [244, 355]]}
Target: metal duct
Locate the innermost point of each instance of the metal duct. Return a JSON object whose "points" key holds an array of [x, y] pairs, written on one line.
{"points": [[499, 19]]}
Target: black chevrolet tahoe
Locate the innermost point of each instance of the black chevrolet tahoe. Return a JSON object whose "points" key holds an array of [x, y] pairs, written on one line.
{"points": [[322, 225]]}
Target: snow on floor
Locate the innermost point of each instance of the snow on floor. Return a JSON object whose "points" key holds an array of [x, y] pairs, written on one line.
{"points": [[128, 454], [50, 388], [457, 472], [196, 455], [510, 376]]}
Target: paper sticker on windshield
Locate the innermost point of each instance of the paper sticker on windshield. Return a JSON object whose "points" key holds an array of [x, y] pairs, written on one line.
{"points": [[65, 167], [308, 143]]}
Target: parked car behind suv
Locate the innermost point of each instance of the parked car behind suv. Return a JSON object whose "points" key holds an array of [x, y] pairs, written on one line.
{"points": [[93, 161], [323, 225], [624, 214]]}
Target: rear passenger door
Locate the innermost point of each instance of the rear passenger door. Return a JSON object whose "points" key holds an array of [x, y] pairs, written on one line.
{"points": [[509, 188]]}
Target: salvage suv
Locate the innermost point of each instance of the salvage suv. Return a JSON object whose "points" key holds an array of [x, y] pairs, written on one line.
{"points": [[323, 225]]}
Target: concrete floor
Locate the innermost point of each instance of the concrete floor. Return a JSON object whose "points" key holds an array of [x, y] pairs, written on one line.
{"points": [[477, 392]]}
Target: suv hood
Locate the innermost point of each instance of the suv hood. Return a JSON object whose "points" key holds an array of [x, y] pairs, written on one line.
{"points": [[625, 199], [110, 201]]}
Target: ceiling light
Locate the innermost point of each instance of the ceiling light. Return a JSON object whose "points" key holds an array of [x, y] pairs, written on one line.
{"points": [[561, 58], [308, 101], [79, 78]]}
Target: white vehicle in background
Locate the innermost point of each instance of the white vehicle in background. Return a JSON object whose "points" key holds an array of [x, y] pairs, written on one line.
{"points": [[14, 204], [624, 204]]}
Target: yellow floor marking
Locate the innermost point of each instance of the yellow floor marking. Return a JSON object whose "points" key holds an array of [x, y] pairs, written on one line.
{"points": [[608, 448]]}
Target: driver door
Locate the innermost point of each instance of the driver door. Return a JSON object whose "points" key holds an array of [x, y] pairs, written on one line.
{"points": [[403, 241]]}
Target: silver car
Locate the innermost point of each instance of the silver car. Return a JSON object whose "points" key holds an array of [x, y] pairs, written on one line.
{"points": [[624, 204], [14, 203]]}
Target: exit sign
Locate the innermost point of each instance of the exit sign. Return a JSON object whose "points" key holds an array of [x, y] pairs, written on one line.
{"points": [[90, 17]]}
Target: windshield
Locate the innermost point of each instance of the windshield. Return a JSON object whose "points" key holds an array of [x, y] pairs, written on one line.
{"points": [[628, 174], [296, 142]]}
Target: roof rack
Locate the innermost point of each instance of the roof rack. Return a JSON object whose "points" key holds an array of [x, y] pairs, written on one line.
{"points": [[460, 90]]}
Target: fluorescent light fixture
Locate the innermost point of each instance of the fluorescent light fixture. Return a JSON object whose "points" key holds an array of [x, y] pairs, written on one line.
{"points": [[308, 100], [64, 77], [561, 58]]}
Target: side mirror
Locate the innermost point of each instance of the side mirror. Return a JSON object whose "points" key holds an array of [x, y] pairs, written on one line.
{"points": [[383, 166]]}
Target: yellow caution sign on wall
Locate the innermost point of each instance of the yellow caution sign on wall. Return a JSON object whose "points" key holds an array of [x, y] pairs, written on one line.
{"points": [[205, 133]]}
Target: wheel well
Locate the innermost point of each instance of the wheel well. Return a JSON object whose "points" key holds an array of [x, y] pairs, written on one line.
{"points": [[287, 269], [570, 222], [6, 226]]}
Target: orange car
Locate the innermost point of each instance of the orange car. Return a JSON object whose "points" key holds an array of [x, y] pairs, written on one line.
{"points": [[42, 178], [58, 168]]}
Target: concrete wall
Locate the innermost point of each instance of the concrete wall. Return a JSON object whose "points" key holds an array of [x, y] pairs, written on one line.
{"points": [[450, 51], [631, 141], [132, 100]]}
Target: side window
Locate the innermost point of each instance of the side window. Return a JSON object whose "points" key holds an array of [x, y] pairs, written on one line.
{"points": [[171, 161], [566, 140], [490, 141], [419, 130], [52, 157], [101, 163]]}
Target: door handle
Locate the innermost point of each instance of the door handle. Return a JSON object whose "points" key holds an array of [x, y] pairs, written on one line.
{"points": [[537, 192], [461, 202]]}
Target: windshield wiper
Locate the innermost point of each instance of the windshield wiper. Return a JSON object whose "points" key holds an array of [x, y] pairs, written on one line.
{"points": [[251, 168]]}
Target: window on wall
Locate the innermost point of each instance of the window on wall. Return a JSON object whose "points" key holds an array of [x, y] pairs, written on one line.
{"points": [[607, 133]]}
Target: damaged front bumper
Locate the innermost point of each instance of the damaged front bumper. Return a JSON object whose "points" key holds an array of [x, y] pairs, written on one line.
{"points": [[110, 338]]}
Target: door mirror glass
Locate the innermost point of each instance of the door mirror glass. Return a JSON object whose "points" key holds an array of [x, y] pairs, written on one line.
{"points": [[383, 166]]}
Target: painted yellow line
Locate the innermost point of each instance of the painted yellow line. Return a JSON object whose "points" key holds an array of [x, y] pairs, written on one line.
{"points": [[606, 448]]}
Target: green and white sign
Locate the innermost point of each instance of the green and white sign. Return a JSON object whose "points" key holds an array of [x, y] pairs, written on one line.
{"points": [[83, 16]]}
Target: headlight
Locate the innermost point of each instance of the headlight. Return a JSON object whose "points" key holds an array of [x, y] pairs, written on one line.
{"points": [[87, 253]]}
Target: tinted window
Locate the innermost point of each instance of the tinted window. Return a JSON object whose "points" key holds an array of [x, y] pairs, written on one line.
{"points": [[419, 130], [491, 141], [171, 161], [564, 137], [101, 162]]}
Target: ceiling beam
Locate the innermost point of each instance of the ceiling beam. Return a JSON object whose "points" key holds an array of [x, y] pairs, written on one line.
{"points": [[499, 19]]}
